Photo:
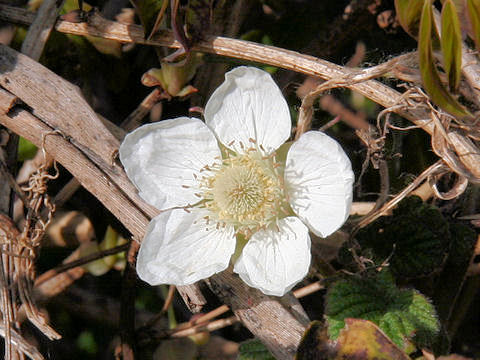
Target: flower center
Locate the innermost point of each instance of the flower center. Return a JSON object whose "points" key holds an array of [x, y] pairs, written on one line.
{"points": [[246, 191]]}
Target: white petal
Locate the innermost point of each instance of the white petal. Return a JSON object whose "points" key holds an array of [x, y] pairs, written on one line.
{"points": [[178, 249], [274, 260], [319, 179], [159, 158], [249, 105]]}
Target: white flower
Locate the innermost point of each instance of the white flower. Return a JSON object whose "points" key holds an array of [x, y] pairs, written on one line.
{"points": [[230, 178]]}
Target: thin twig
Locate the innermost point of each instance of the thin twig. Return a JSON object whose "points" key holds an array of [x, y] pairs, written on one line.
{"points": [[82, 261], [400, 196]]}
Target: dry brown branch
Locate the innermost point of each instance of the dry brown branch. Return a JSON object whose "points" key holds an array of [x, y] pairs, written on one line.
{"points": [[203, 322], [126, 350], [266, 317], [79, 262], [8, 232], [7, 101], [134, 120], [192, 297], [53, 286], [90, 176], [41, 28], [378, 92], [278, 323], [354, 77], [20, 343], [433, 169]]}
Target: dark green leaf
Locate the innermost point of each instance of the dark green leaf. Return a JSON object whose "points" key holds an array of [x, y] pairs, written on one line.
{"points": [[451, 41], [414, 239], [403, 314], [454, 273], [408, 15], [254, 350], [198, 18], [431, 79]]}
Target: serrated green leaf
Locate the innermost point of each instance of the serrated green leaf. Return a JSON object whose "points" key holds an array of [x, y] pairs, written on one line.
{"points": [[473, 7], [403, 314], [451, 41], [408, 15], [254, 350], [431, 79], [414, 240]]}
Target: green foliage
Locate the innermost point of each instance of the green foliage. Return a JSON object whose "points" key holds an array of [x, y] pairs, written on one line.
{"points": [[414, 240], [431, 79], [403, 314], [86, 342], [451, 41], [254, 350], [408, 15], [26, 150], [473, 7]]}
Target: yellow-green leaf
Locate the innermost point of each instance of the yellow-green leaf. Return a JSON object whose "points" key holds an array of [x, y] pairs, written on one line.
{"points": [[408, 15], [431, 79], [363, 336], [451, 41], [474, 16]]}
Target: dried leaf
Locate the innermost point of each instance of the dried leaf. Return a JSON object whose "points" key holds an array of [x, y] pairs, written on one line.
{"points": [[451, 41], [431, 79], [362, 339], [358, 340]]}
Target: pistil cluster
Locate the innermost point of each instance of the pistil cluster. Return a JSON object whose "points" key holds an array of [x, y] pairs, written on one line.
{"points": [[245, 190]]}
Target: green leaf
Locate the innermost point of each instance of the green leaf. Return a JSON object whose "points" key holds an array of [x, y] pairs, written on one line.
{"points": [[473, 7], [26, 150], [254, 350], [431, 79], [408, 15], [451, 41], [403, 314], [414, 240]]}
